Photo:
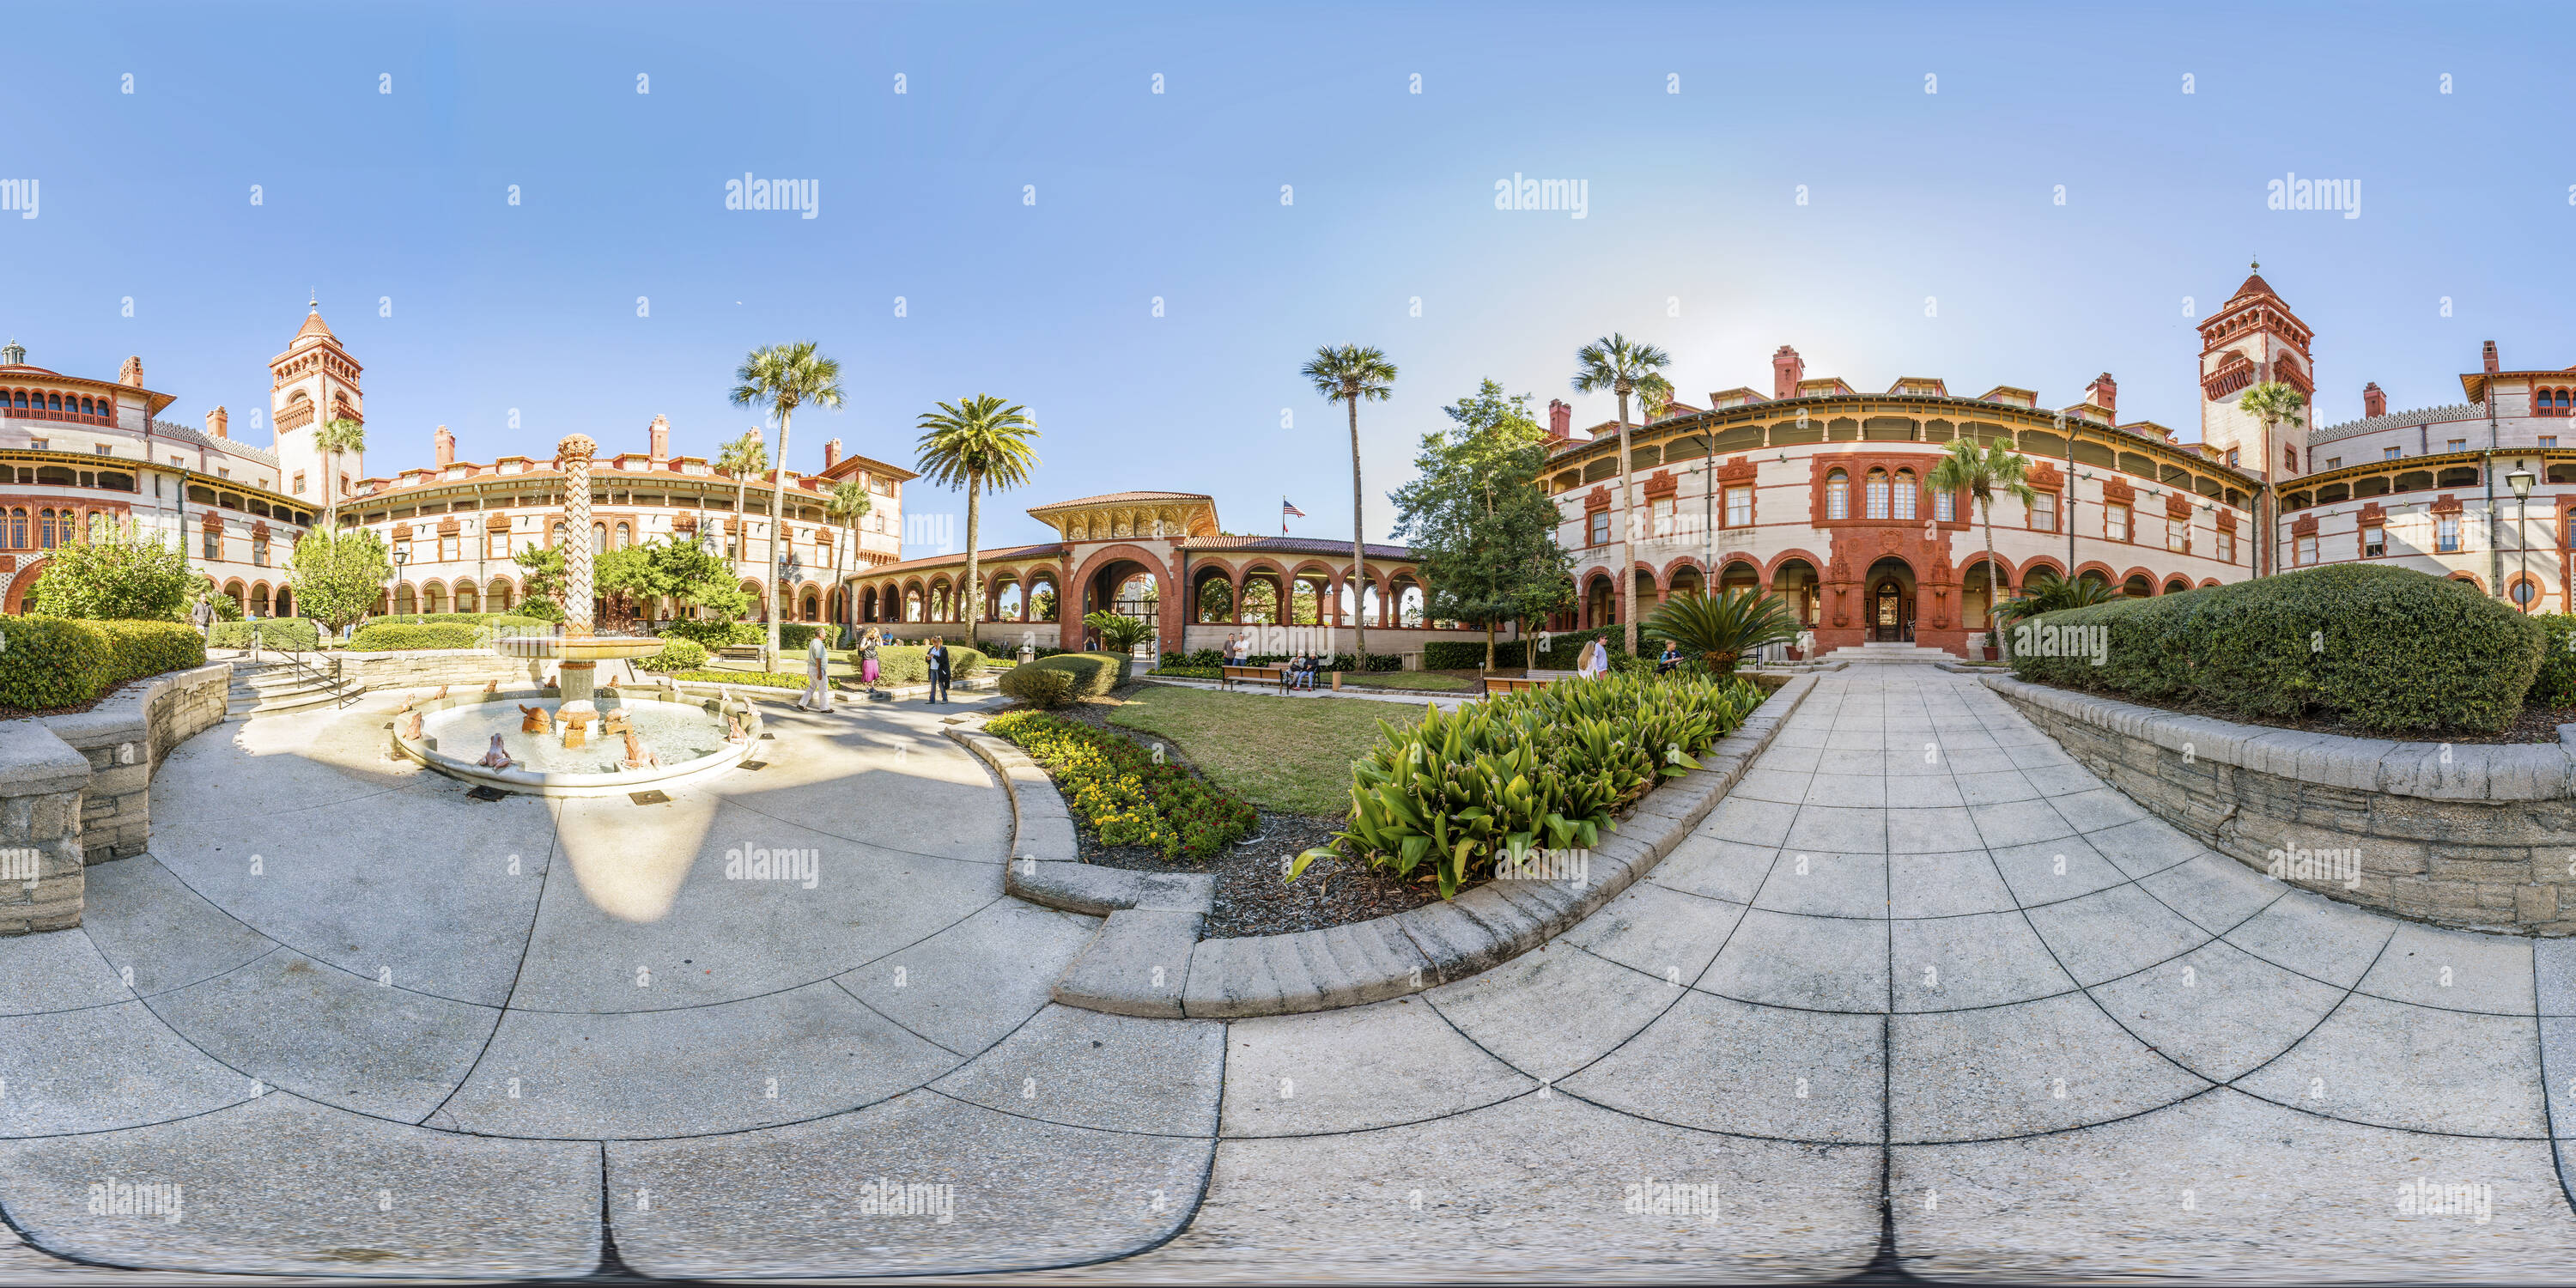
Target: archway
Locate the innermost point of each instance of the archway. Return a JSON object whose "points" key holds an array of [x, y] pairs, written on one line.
{"points": [[2137, 586], [405, 602], [1795, 581], [285, 601], [1889, 601]]}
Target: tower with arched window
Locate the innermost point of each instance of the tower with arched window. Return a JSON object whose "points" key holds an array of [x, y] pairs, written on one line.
{"points": [[310, 385]]}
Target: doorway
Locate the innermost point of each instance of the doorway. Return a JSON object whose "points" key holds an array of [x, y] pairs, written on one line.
{"points": [[1891, 612]]}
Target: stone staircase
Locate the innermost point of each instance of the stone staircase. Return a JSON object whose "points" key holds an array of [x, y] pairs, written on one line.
{"points": [[268, 688], [1881, 653]]}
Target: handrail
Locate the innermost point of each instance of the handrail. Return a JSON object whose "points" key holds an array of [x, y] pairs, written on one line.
{"points": [[301, 667]]}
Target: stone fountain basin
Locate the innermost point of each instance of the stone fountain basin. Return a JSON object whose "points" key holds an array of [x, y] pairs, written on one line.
{"points": [[455, 759]]}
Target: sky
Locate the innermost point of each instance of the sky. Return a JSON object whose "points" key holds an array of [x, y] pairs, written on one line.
{"points": [[2021, 195]]}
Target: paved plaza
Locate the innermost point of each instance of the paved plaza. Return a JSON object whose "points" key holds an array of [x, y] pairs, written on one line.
{"points": [[1921, 987]]}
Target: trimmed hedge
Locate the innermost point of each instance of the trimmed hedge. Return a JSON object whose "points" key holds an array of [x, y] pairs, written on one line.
{"points": [[1094, 674], [298, 633], [1450, 655], [762, 679], [2555, 685], [676, 655], [910, 663], [712, 634], [2381, 648], [1039, 686], [379, 637], [52, 662]]}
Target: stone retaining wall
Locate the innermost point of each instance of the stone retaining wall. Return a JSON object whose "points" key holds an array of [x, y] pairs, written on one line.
{"points": [[427, 668], [2479, 836], [77, 789]]}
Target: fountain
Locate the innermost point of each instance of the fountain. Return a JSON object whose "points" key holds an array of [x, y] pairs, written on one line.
{"points": [[661, 740]]}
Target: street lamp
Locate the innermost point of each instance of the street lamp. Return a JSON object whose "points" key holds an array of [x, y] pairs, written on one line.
{"points": [[2520, 481]]}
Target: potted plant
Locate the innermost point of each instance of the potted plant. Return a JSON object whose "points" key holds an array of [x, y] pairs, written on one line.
{"points": [[1798, 647]]}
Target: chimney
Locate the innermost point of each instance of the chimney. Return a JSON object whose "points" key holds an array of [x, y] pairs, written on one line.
{"points": [[1787, 369], [215, 422], [1560, 420], [2492, 365], [132, 373], [446, 444], [2373, 402], [2104, 393], [660, 439], [831, 453]]}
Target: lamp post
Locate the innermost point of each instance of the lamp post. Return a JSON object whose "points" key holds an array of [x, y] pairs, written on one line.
{"points": [[2521, 480]]}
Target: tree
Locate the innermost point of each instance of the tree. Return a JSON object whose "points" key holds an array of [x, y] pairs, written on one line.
{"points": [[782, 378], [848, 504], [683, 572], [1483, 532], [113, 574], [2271, 402], [1615, 365], [1042, 605], [334, 438], [1350, 375], [978, 442], [742, 458], [1978, 474], [541, 581], [1725, 626], [339, 575]]}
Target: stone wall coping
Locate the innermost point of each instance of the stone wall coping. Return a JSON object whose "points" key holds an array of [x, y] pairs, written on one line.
{"points": [[348, 655], [34, 761], [1152, 916], [2468, 771], [120, 715]]}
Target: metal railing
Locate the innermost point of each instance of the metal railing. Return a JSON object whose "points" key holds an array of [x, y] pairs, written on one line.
{"points": [[314, 668]]}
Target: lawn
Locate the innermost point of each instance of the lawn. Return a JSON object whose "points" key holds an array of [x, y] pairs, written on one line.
{"points": [[1288, 754], [1439, 680]]}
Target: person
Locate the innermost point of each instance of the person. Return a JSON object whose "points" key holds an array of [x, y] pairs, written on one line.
{"points": [[1595, 662], [868, 658], [203, 617], [937, 659], [1238, 651], [1672, 657], [1306, 664], [818, 680]]}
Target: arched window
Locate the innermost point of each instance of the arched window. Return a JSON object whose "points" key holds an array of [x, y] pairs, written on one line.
{"points": [[18, 528], [599, 538], [1877, 494], [1905, 492], [1838, 495], [558, 541], [625, 536], [465, 597]]}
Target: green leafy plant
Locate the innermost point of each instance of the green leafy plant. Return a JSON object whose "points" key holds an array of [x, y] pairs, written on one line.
{"points": [[676, 655], [389, 637], [1121, 793], [1539, 769], [1039, 686], [113, 573], [756, 679], [295, 633], [1721, 628], [2555, 685], [1117, 631], [338, 576]]}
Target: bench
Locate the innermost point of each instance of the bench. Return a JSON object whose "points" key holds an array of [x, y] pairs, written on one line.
{"points": [[1232, 675], [740, 652], [1510, 684]]}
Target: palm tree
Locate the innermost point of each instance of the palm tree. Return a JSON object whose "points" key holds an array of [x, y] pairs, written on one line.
{"points": [[782, 378], [849, 503], [341, 435], [742, 458], [977, 441], [1725, 625], [2271, 402], [1615, 365], [1351, 375], [1979, 474], [2049, 595]]}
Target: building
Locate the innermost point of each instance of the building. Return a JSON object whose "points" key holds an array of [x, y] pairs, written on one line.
{"points": [[78, 451], [1819, 492]]}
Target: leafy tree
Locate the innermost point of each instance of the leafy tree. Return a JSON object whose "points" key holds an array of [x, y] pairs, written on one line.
{"points": [[227, 609], [1963, 468], [742, 458], [1616, 365], [782, 378], [332, 440], [1042, 605], [848, 504], [1485, 534], [338, 575], [2271, 402], [978, 442], [541, 578], [1216, 600], [1351, 375], [113, 574]]}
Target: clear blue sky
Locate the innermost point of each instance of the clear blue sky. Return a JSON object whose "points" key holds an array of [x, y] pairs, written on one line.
{"points": [[368, 195]]}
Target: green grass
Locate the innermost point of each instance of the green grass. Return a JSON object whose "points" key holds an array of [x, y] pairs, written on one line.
{"points": [[1439, 680], [1288, 755]]}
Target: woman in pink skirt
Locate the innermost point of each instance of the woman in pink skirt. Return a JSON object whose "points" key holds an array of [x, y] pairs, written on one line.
{"points": [[868, 658]]}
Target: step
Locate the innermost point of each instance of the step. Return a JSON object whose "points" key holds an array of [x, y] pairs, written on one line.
{"points": [[262, 702]]}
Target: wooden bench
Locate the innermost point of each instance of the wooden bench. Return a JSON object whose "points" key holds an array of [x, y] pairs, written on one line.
{"points": [[1235, 674], [1510, 684]]}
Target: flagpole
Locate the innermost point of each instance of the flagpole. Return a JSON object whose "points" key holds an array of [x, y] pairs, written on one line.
{"points": [[1283, 515]]}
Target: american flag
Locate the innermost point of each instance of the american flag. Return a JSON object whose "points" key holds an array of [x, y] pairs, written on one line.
{"points": [[1287, 512]]}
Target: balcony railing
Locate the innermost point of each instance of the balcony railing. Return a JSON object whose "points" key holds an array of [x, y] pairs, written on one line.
{"points": [[13, 412]]}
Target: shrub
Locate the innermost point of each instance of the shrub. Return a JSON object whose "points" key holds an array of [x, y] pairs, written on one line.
{"points": [[1190, 672], [1566, 648], [797, 635], [1540, 769], [387, 637], [2555, 685], [677, 655], [1039, 686], [272, 632], [2381, 648], [53, 662], [910, 663], [713, 635], [1451, 655], [1113, 787], [758, 679], [137, 648], [1094, 674]]}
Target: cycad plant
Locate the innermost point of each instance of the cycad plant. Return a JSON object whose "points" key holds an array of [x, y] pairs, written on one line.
{"points": [[780, 379], [977, 443], [1723, 627]]}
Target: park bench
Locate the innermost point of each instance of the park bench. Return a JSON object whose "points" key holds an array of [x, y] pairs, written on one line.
{"points": [[1510, 684], [1236, 674]]}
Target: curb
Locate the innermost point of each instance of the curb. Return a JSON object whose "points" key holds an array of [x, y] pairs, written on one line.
{"points": [[1129, 967]]}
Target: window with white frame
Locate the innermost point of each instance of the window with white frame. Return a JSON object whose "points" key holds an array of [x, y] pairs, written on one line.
{"points": [[2115, 522]]}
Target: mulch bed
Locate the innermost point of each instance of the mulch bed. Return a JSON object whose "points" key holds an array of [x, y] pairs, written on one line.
{"points": [[1251, 897]]}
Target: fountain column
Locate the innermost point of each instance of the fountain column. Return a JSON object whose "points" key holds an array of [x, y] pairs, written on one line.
{"points": [[578, 675]]}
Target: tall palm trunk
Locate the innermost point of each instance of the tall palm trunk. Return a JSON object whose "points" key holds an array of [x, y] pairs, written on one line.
{"points": [[1627, 521], [971, 607], [2268, 555], [1359, 548], [1986, 513], [777, 499]]}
